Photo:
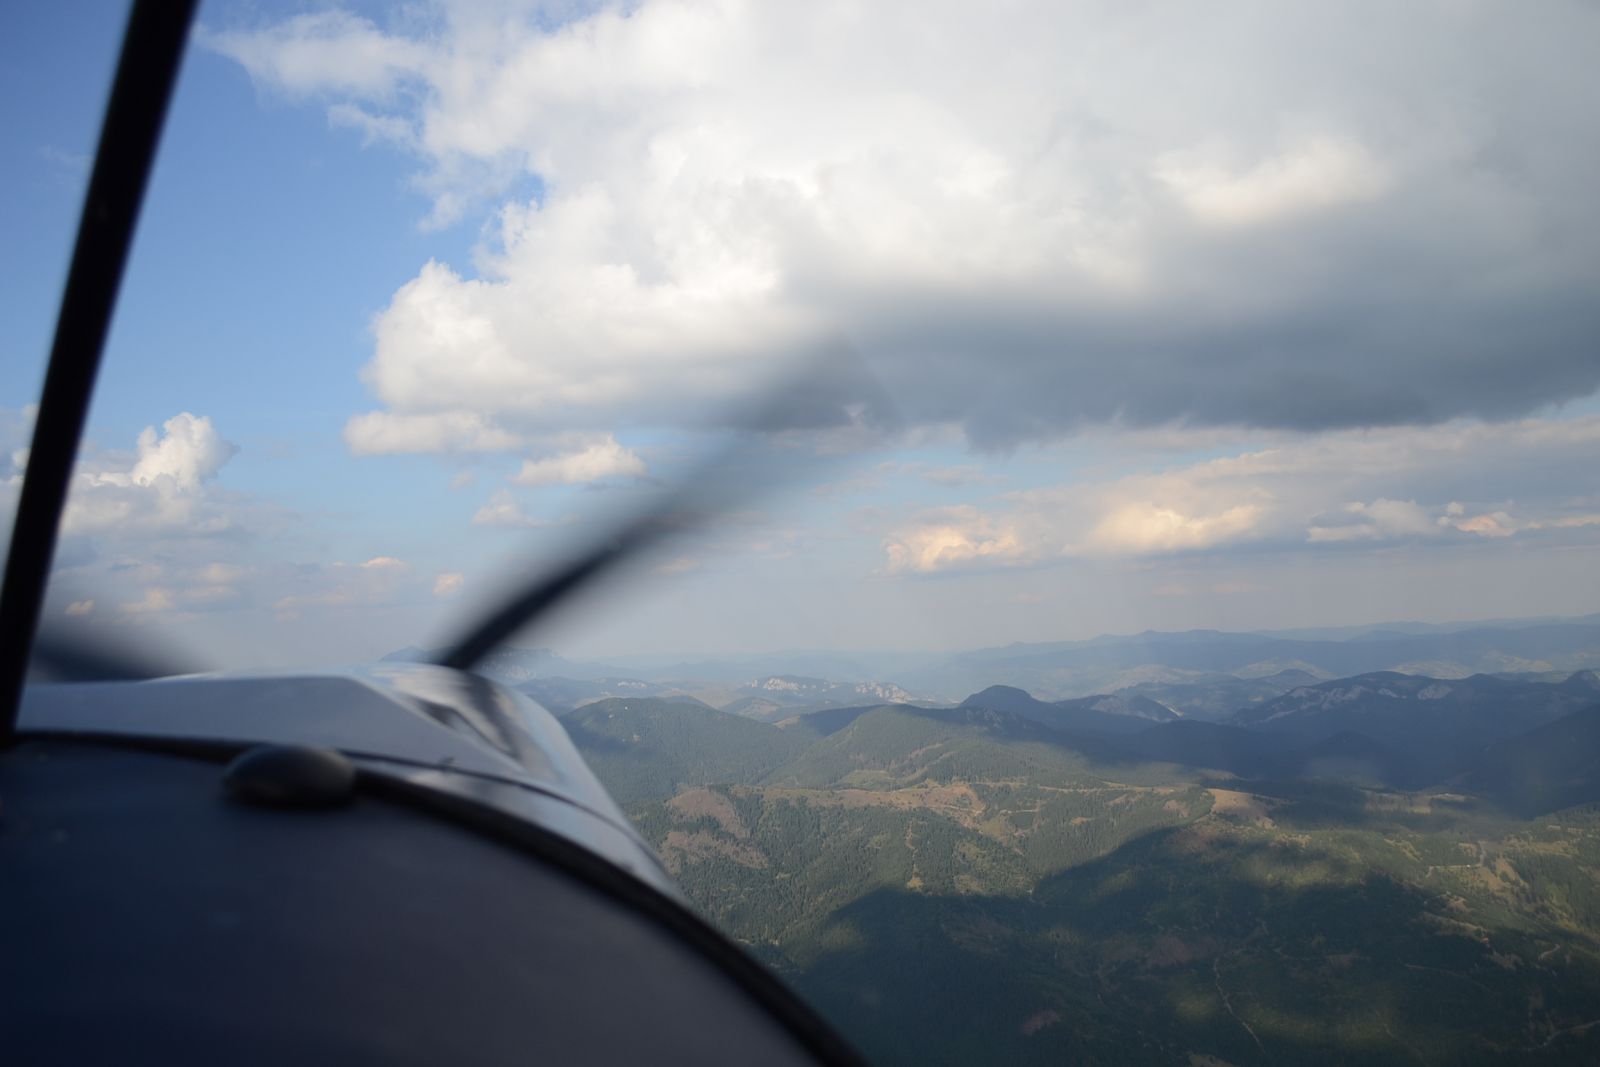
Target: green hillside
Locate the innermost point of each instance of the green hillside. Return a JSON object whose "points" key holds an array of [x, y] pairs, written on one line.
{"points": [[648, 749], [966, 885]]}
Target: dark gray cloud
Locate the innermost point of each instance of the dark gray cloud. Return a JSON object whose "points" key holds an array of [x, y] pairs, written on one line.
{"points": [[1378, 363]]}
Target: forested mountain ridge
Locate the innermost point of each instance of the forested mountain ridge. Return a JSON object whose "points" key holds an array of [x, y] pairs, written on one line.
{"points": [[1060, 670], [1101, 714], [1436, 726], [1217, 697], [1489, 702]]}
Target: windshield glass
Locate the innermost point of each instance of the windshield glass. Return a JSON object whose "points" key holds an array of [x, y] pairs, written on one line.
{"points": [[1146, 611], [56, 73]]}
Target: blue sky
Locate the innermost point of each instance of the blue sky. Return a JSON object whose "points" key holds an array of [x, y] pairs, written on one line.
{"points": [[1173, 322]]}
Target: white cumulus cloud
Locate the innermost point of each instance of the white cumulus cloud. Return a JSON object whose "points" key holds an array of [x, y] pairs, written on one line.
{"points": [[1028, 222], [953, 538], [502, 509], [596, 462], [322, 50], [162, 489], [1323, 173], [1147, 527], [389, 433], [188, 450]]}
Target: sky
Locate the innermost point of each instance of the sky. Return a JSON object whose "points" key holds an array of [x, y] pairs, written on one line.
{"points": [[1025, 322]]}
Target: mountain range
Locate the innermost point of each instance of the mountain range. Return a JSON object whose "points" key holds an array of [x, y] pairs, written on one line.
{"points": [[1026, 881], [1375, 845], [1200, 673], [1375, 869]]}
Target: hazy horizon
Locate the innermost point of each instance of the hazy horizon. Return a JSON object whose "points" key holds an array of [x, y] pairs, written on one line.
{"points": [[655, 660]]}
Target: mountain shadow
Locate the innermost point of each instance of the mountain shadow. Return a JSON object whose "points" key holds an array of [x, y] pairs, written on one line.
{"points": [[1546, 769]]}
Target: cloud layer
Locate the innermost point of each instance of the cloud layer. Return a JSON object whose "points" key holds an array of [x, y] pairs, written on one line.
{"points": [[1259, 215], [1457, 483], [152, 538]]}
